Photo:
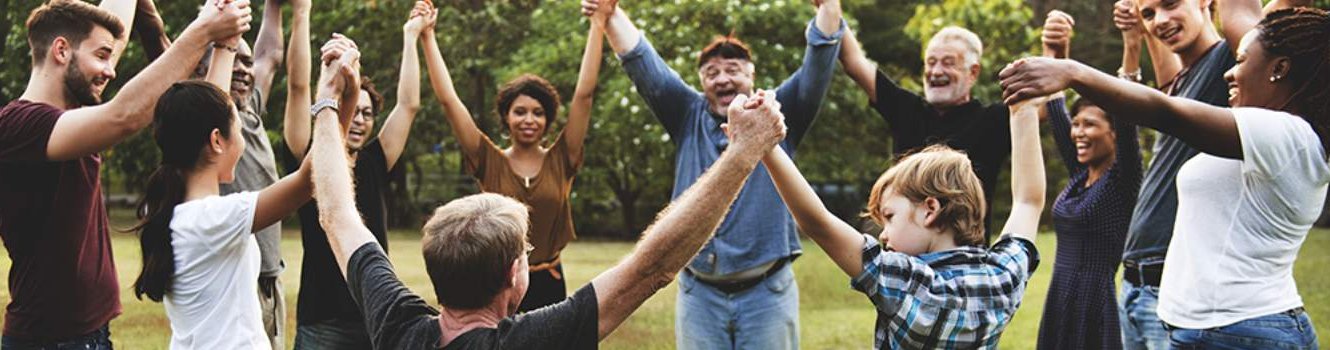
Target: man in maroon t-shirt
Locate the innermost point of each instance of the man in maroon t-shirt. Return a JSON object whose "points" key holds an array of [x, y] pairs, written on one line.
{"points": [[52, 219]]}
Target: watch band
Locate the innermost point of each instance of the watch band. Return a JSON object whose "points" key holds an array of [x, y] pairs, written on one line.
{"points": [[321, 104]]}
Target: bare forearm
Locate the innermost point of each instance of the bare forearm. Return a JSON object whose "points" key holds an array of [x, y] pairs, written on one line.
{"points": [[623, 34], [579, 114], [1027, 172], [1131, 54], [829, 16], [219, 71], [857, 66], [335, 192], [837, 238], [1237, 17], [397, 129], [296, 124], [268, 48], [468, 135], [1166, 64], [159, 75], [152, 30]]}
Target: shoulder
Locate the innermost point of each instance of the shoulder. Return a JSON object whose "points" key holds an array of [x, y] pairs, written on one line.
{"points": [[218, 209], [1015, 254], [20, 112]]}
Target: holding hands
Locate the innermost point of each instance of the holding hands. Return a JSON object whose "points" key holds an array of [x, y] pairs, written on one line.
{"points": [[223, 20], [1058, 30], [599, 10], [1034, 77], [1128, 20], [421, 20], [339, 75], [755, 123]]}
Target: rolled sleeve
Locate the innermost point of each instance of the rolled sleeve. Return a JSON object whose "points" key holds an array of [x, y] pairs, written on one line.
{"points": [[801, 95], [663, 89], [886, 276]]}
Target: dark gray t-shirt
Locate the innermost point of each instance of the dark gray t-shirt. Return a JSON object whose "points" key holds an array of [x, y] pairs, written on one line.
{"points": [[256, 170], [1157, 205], [396, 318]]}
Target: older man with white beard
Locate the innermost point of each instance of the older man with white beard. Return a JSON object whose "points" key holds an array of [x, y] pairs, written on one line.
{"points": [[946, 114]]}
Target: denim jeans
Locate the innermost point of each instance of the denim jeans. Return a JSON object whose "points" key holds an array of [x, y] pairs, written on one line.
{"points": [[1141, 328], [332, 334], [99, 339], [765, 316], [1285, 330]]}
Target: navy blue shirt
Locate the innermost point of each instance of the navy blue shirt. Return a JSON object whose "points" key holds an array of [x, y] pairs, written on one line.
{"points": [[758, 229], [1157, 205]]}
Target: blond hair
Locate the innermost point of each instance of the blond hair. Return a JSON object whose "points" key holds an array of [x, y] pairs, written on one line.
{"points": [[974, 48], [942, 173], [469, 246]]}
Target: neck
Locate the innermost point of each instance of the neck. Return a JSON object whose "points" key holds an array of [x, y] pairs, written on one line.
{"points": [[46, 88], [943, 241], [1096, 171], [455, 323], [1199, 47], [201, 183], [526, 149]]}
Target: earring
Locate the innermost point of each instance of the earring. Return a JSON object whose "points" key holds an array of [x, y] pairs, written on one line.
{"points": [[1275, 78]]}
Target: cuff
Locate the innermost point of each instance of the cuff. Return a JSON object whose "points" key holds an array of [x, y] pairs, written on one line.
{"points": [[817, 38], [642, 49]]}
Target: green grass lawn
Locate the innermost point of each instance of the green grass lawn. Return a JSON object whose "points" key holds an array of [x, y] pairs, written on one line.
{"points": [[832, 316]]}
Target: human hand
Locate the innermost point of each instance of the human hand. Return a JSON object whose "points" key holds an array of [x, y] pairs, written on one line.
{"points": [[1058, 29], [755, 124], [420, 18], [1128, 20], [599, 10], [1033, 77], [224, 19]]}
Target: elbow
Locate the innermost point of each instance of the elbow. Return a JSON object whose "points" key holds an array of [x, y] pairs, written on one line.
{"points": [[1034, 199], [409, 105]]}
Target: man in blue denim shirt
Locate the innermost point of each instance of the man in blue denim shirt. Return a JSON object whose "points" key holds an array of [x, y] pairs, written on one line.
{"points": [[739, 291]]}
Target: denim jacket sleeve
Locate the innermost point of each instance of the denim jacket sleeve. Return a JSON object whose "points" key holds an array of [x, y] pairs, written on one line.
{"points": [[802, 93], [663, 89]]}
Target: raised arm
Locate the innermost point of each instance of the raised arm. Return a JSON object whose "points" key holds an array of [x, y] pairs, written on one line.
{"points": [[579, 111], [857, 65], [840, 240], [397, 129], [1237, 17], [268, 49], [464, 127], [296, 123], [828, 15], [1027, 171], [125, 10], [622, 33], [1207, 128], [1056, 35], [683, 227], [223, 63], [331, 171], [152, 30], [805, 90], [92, 129]]}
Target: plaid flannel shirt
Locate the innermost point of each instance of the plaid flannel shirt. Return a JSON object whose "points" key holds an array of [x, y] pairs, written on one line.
{"points": [[960, 298]]}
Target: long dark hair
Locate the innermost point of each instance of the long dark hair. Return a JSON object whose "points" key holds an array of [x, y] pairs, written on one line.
{"points": [[1300, 34], [183, 121]]}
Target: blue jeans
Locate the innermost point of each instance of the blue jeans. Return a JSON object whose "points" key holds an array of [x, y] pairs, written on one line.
{"points": [[332, 334], [1141, 328], [1285, 330], [765, 316], [99, 339]]}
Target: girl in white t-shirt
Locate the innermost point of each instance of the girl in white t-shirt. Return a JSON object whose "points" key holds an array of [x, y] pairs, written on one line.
{"points": [[200, 257], [1246, 203]]}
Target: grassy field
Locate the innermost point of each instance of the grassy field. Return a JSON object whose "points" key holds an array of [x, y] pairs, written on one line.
{"points": [[832, 315]]}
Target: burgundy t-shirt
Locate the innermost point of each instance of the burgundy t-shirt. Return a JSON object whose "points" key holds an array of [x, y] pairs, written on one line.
{"points": [[53, 222]]}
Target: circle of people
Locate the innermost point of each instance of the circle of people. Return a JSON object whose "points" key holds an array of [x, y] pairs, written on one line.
{"points": [[1206, 235]]}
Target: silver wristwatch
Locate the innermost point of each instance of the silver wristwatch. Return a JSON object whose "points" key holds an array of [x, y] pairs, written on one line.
{"points": [[321, 104]]}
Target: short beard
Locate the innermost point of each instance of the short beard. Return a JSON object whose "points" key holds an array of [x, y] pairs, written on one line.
{"points": [[78, 88]]}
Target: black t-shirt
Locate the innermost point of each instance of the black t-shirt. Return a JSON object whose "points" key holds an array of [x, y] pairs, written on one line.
{"points": [[323, 292], [982, 132], [399, 319]]}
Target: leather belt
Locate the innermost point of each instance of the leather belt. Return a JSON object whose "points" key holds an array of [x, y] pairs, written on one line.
{"points": [[732, 287], [551, 266], [1142, 275]]}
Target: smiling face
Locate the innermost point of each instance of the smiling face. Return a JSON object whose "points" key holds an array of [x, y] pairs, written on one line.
{"points": [[362, 124], [1177, 23], [526, 120], [242, 74], [903, 228], [723, 79], [1249, 82], [948, 75], [1094, 137], [89, 69]]}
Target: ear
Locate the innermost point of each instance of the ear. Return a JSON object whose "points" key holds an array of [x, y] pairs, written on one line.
{"points": [[217, 142], [514, 271], [61, 51], [931, 207], [974, 72], [1280, 68]]}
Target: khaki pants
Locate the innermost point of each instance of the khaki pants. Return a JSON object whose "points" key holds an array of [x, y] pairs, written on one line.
{"points": [[274, 310]]}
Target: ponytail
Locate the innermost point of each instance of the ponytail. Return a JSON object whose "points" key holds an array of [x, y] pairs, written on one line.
{"points": [[183, 122]]}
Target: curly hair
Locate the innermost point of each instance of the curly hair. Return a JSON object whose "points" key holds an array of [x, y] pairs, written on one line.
{"points": [[532, 86], [1300, 35]]}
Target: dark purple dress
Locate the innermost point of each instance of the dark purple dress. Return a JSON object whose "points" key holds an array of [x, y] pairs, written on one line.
{"points": [[1091, 224]]}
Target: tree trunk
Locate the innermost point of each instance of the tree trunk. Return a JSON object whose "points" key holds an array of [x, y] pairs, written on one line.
{"points": [[628, 210]]}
